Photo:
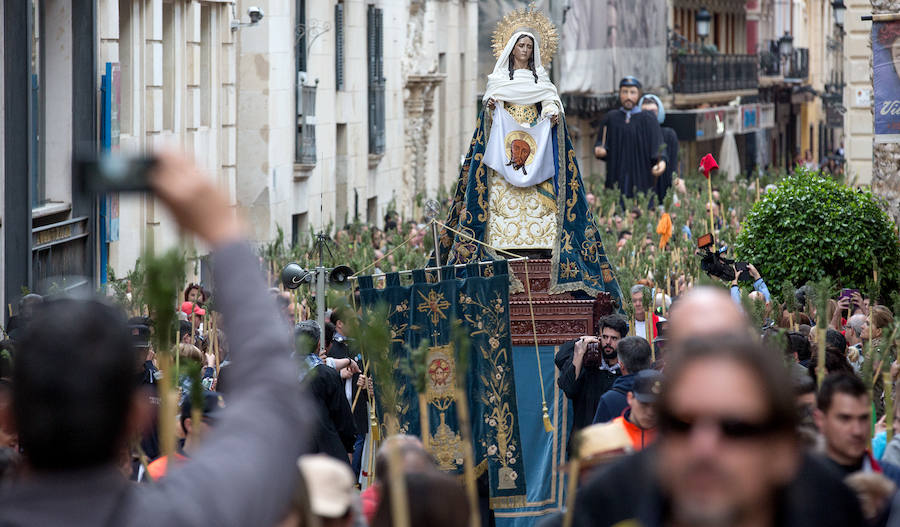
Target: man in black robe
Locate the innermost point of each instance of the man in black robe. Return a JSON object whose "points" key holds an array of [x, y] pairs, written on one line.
{"points": [[651, 104], [631, 143], [336, 433]]}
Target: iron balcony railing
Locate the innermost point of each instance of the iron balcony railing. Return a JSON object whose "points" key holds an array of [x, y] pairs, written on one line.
{"points": [[793, 67], [797, 65], [714, 73], [305, 148]]}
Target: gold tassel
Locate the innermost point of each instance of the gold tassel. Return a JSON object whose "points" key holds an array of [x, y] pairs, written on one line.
{"points": [[548, 427]]}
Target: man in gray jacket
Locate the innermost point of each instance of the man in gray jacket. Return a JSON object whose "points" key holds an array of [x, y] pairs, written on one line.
{"points": [[76, 402]]}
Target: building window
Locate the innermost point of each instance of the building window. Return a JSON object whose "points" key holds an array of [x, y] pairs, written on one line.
{"points": [[38, 183], [168, 12], [126, 68], [372, 211], [298, 229], [206, 46], [300, 39], [375, 34], [305, 146], [339, 46]]}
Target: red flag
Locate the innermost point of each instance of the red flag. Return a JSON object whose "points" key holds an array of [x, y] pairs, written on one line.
{"points": [[708, 164]]}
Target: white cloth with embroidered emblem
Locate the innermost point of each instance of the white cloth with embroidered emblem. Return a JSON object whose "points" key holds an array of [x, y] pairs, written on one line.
{"points": [[522, 155]]}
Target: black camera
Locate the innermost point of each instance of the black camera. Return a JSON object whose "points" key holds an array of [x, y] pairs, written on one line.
{"points": [[592, 357], [714, 263]]}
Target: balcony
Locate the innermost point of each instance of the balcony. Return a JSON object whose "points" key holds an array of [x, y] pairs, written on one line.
{"points": [[797, 65], [791, 68], [305, 139], [706, 74]]}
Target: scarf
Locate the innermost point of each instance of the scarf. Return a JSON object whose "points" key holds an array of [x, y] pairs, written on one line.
{"points": [[521, 89]]}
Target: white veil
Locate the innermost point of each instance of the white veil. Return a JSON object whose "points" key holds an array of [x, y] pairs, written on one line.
{"points": [[522, 89]]}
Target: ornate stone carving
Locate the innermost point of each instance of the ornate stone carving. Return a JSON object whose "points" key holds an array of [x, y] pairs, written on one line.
{"points": [[421, 80]]}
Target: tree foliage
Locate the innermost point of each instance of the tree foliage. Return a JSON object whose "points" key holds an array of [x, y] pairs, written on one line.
{"points": [[811, 226]]}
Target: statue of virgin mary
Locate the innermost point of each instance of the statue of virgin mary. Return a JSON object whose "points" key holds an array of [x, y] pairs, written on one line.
{"points": [[548, 219]]}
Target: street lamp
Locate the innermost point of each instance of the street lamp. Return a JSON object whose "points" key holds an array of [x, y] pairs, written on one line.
{"points": [[702, 19], [786, 45], [839, 9]]}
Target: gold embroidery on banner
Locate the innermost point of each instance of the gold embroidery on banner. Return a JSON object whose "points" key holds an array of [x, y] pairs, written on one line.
{"points": [[606, 270], [573, 186], [522, 113], [569, 269], [566, 241], [480, 187], [445, 445], [490, 321], [519, 218], [441, 373], [434, 304]]}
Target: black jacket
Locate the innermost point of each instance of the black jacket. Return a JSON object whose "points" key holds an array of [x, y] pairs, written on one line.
{"points": [[340, 350], [335, 435], [614, 401], [628, 490], [586, 390]]}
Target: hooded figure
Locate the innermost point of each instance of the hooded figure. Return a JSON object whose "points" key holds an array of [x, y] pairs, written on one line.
{"points": [[631, 143], [670, 138]]}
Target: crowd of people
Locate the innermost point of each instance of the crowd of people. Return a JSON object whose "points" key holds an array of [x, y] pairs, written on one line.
{"points": [[685, 413], [723, 422]]}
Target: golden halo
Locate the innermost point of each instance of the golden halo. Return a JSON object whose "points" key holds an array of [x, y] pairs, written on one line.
{"points": [[527, 18], [524, 136]]}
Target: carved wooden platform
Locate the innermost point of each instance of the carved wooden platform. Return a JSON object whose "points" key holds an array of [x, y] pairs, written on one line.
{"points": [[558, 318]]}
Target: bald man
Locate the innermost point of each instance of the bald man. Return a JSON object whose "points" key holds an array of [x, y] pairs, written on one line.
{"points": [[705, 311]]}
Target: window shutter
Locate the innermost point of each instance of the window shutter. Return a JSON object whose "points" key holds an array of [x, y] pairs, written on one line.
{"points": [[339, 46], [375, 34], [300, 36]]}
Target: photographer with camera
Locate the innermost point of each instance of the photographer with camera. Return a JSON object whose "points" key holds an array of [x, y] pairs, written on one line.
{"points": [[760, 290], [588, 367], [634, 357]]}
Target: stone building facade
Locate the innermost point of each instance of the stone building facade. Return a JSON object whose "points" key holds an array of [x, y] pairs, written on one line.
{"points": [[135, 75], [350, 108], [177, 87]]}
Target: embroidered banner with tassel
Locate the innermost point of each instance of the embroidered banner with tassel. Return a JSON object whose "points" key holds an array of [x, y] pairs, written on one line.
{"points": [[424, 311]]}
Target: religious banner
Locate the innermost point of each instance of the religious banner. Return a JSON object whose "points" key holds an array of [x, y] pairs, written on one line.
{"points": [[523, 155], [423, 312], [886, 80]]}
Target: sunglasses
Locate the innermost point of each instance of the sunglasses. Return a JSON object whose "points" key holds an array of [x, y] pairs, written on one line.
{"points": [[730, 428]]}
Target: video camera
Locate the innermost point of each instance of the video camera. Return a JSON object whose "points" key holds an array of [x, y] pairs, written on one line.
{"points": [[714, 263]]}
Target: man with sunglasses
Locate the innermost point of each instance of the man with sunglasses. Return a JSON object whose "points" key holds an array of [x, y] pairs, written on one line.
{"points": [[727, 452]]}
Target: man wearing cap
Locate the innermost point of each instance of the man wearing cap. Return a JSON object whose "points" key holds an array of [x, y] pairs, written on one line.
{"points": [[331, 490], [631, 143], [336, 433], [639, 419]]}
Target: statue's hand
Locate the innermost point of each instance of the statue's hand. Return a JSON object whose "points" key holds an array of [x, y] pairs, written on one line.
{"points": [[599, 152], [554, 119], [491, 104]]}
